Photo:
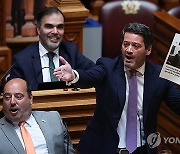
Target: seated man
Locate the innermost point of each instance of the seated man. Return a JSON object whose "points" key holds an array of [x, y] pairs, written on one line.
{"points": [[46, 129], [35, 63], [129, 93]]}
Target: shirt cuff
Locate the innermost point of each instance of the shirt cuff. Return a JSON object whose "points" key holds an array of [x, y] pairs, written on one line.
{"points": [[75, 79]]}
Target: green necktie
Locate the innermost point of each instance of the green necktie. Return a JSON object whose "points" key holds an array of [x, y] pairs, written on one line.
{"points": [[51, 66]]}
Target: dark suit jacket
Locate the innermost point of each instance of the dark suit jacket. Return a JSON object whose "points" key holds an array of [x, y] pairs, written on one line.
{"points": [[27, 64], [56, 137], [108, 77]]}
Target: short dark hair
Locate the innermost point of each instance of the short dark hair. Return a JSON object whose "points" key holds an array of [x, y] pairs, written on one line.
{"points": [[29, 89], [141, 29], [47, 11]]}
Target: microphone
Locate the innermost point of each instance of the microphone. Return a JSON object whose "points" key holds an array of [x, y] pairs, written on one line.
{"points": [[140, 130], [6, 75], [4, 78]]}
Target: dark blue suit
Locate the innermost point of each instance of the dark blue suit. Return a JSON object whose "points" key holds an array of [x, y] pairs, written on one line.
{"points": [[27, 64], [108, 77]]}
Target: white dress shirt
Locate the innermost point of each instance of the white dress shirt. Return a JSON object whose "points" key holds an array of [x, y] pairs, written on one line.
{"points": [[45, 62], [36, 134], [122, 123], [121, 130]]}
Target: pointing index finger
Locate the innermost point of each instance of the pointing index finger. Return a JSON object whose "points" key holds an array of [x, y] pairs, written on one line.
{"points": [[63, 60]]}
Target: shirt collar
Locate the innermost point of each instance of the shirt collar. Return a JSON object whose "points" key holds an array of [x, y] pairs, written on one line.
{"points": [[43, 51], [140, 70], [29, 121]]}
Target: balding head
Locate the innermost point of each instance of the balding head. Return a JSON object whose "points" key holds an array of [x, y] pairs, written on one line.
{"points": [[21, 82], [17, 100]]}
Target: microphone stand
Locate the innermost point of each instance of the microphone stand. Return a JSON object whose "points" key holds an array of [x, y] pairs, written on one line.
{"points": [[3, 79], [140, 131], [67, 148]]}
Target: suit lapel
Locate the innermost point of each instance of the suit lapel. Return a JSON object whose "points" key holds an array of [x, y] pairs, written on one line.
{"points": [[12, 136], [121, 84], [148, 88], [36, 63], [63, 53]]}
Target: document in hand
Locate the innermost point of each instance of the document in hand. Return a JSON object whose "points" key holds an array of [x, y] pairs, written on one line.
{"points": [[171, 66]]}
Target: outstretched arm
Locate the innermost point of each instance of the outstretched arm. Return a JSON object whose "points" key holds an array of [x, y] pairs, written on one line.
{"points": [[64, 72]]}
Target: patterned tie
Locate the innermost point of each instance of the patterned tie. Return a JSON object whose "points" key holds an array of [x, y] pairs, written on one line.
{"points": [[51, 66], [131, 126], [26, 139]]}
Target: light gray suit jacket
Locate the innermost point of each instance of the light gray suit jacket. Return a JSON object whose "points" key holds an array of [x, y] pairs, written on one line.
{"points": [[52, 127]]}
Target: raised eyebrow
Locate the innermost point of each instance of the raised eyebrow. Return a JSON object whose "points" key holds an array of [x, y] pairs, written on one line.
{"points": [[60, 25], [6, 93], [18, 94], [47, 25], [125, 42], [135, 43]]}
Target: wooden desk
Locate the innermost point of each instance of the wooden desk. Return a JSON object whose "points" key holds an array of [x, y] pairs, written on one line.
{"points": [[75, 107]]}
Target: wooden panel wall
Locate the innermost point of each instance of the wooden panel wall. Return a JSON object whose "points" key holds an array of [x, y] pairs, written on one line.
{"points": [[2, 23], [5, 52], [165, 28]]}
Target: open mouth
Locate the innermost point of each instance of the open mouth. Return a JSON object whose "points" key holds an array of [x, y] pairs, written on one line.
{"points": [[13, 111], [128, 58], [54, 39]]}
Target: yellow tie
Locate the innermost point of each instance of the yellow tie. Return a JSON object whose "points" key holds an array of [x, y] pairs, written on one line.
{"points": [[27, 139]]}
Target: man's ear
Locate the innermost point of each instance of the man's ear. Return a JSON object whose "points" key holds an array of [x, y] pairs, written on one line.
{"points": [[149, 50], [31, 98], [38, 30]]}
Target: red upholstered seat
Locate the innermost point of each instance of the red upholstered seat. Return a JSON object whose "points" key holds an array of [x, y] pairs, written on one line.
{"points": [[115, 15], [175, 11]]}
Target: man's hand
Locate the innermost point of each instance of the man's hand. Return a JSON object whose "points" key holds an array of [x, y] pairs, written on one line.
{"points": [[64, 72]]}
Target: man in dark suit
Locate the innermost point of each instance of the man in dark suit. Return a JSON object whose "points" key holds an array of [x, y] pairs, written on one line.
{"points": [[32, 63], [107, 133], [17, 107]]}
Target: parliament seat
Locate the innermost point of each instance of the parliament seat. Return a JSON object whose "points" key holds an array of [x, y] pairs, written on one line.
{"points": [[115, 15], [175, 11]]}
